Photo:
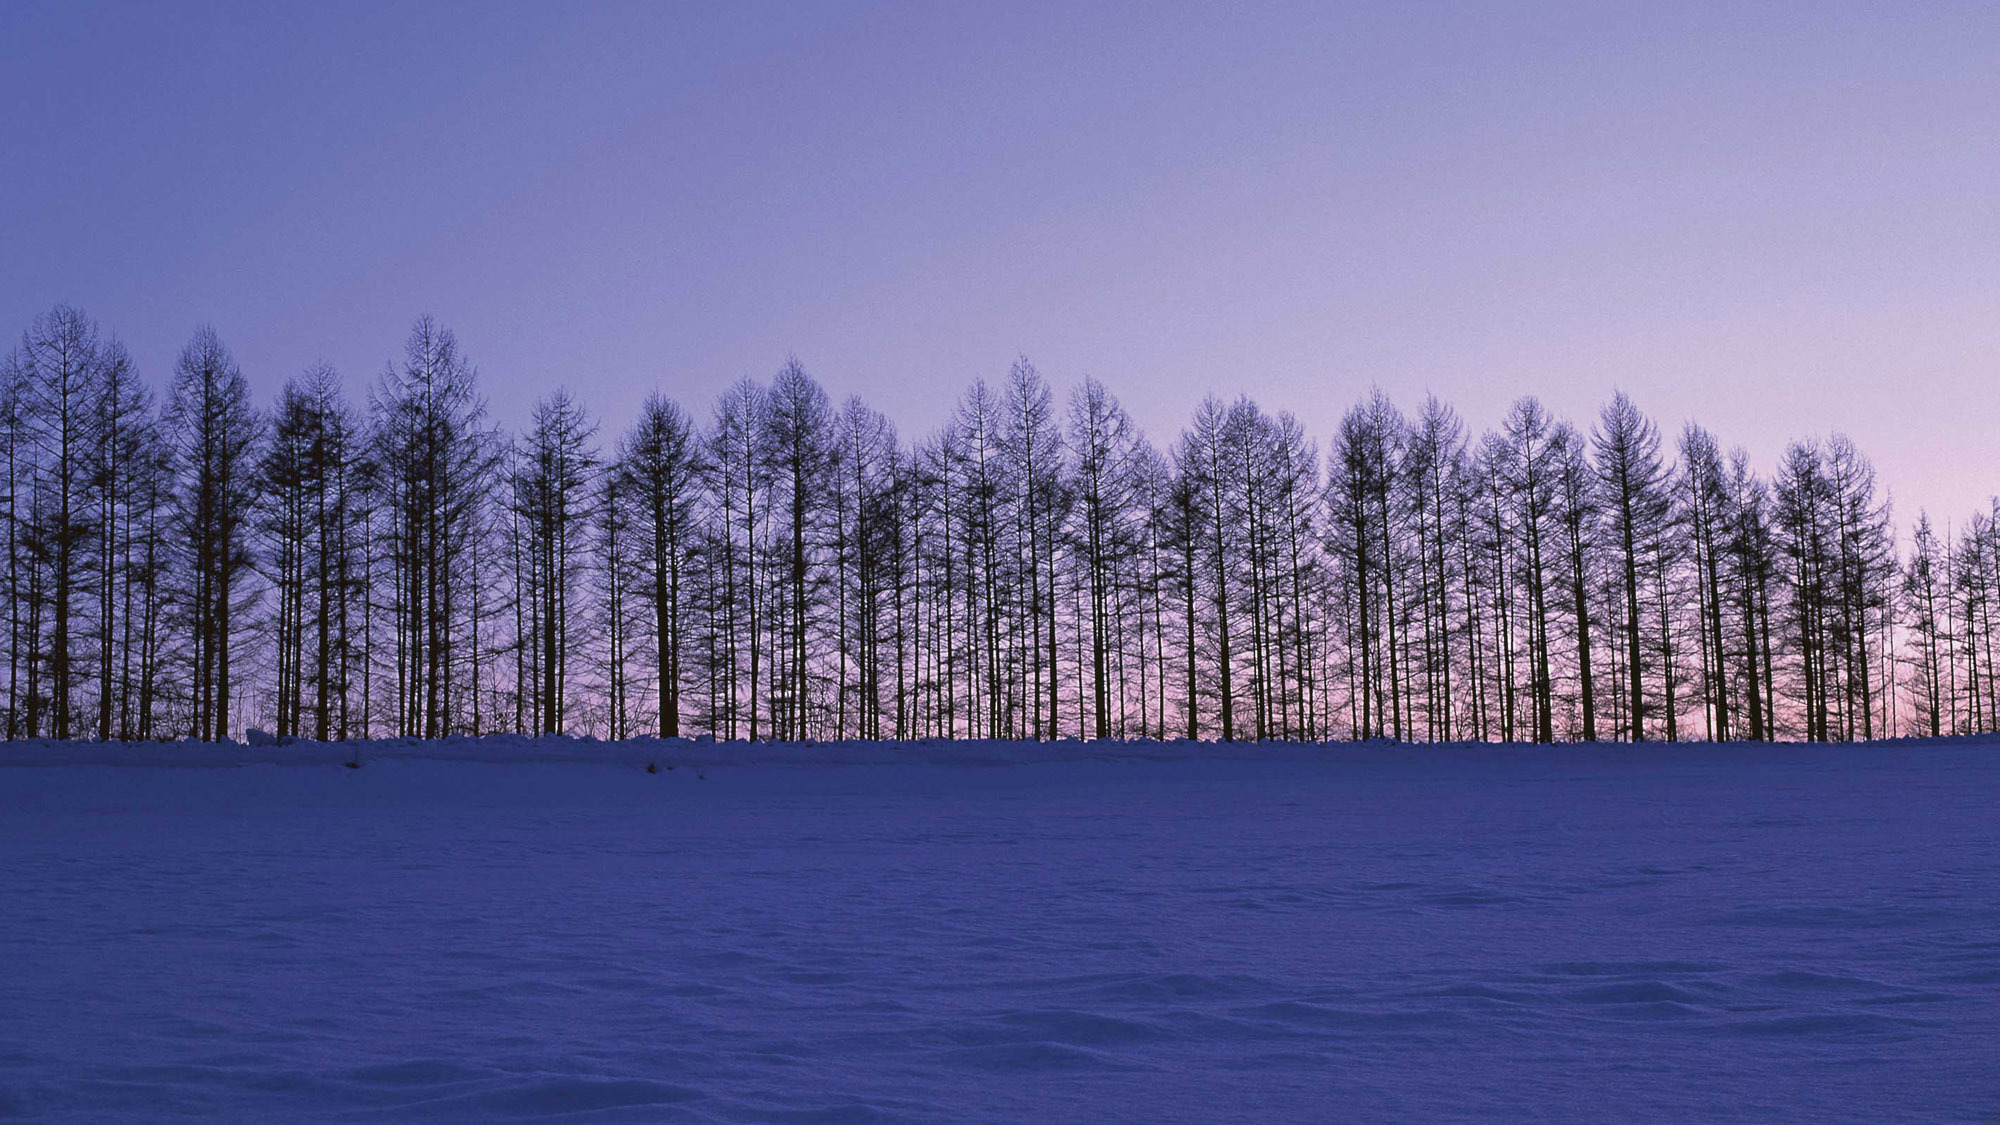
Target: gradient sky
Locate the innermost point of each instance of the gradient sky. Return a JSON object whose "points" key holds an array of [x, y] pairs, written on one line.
{"points": [[1782, 220]]}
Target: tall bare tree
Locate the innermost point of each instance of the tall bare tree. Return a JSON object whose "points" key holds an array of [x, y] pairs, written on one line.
{"points": [[435, 467], [553, 470], [1636, 511], [659, 471], [214, 432]]}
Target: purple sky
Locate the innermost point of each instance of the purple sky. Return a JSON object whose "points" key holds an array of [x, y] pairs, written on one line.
{"points": [[1781, 220]]}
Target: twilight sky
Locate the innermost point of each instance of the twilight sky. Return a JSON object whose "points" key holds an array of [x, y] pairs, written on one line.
{"points": [[1779, 219]]}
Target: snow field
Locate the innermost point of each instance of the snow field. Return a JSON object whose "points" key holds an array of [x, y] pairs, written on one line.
{"points": [[508, 930]]}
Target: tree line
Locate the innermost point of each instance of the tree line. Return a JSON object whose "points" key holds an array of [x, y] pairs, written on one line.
{"points": [[782, 567]]}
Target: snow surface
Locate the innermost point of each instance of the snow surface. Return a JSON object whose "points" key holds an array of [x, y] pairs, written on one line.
{"points": [[506, 930]]}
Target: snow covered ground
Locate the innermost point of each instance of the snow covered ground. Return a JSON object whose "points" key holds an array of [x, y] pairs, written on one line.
{"points": [[1001, 933]]}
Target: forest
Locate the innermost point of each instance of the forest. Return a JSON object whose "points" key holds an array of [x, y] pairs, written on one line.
{"points": [[776, 565]]}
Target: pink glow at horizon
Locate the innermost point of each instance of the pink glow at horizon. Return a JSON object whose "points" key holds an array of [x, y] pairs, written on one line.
{"points": [[1777, 220]]}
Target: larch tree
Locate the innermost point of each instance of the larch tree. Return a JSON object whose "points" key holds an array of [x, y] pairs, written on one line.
{"points": [[214, 431], [1636, 508], [1360, 482], [435, 467], [1752, 556], [864, 552], [1032, 441], [1530, 473], [1804, 502], [122, 459], [799, 455], [1925, 615], [1103, 440], [1577, 515], [554, 467], [660, 474], [63, 364], [738, 485], [1433, 460], [284, 500], [1703, 495]]}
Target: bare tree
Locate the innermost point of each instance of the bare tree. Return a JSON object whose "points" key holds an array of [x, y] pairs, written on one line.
{"points": [[1924, 610], [1636, 510], [63, 365], [1704, 500], [214, 431], [1577, 514], [435, 465], [1105, 445], [800, 455], [659, 471], [1529, 455], [553, 470]]}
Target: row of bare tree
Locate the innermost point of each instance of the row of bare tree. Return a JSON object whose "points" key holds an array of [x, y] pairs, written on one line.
{"points": [[785, 568]]}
